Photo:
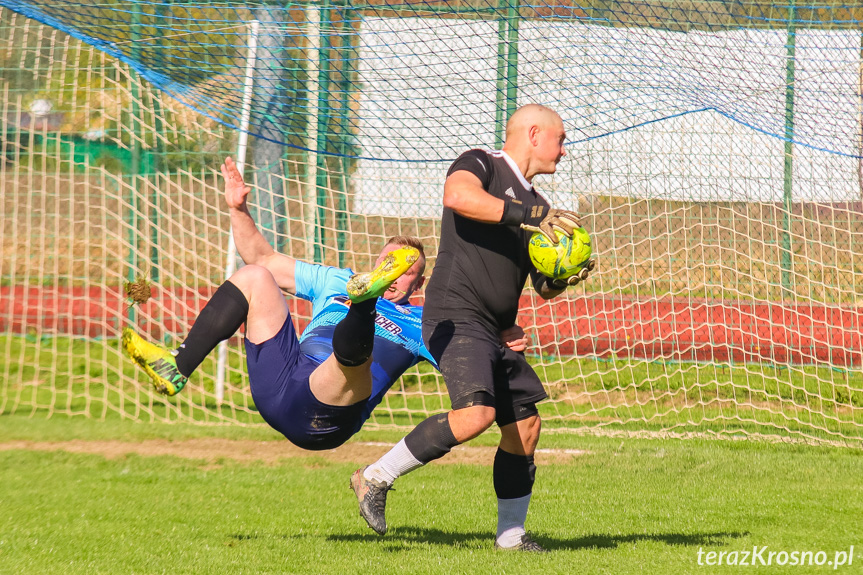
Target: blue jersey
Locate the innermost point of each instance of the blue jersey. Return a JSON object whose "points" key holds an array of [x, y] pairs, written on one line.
{"points": [[398, 330]]}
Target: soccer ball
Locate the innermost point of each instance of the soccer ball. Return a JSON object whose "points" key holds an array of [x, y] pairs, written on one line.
{"points": [[565, 259]]}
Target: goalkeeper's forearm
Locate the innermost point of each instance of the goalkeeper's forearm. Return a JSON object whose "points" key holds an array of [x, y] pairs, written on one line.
{"points": [[251, 244], [544, 287]]}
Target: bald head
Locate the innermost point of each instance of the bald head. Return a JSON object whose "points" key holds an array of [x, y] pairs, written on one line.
{"points": [[534, 140], [528, 116]]}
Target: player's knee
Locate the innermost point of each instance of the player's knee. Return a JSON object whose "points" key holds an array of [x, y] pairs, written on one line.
{"points": [[522, 436], [469, 422], [258, 286], [249, 277], [483, 418]]}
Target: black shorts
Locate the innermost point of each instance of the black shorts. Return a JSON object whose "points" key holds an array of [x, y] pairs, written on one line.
{"points": [[479, 370], [279, 380]]}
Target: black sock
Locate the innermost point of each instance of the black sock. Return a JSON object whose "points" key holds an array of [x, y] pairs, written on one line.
{"points": [[220, 319], [354, 336], [513, 474], [431, 439]]}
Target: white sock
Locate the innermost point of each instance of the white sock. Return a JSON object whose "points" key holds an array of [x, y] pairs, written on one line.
{"points": [[511, 515], [395, 463]]}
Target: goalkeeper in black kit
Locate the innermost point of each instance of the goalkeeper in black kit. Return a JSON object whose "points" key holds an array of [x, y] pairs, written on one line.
{"points": [[490, 210]]}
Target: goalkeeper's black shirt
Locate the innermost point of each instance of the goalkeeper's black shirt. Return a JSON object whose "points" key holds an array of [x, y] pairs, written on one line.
{"points": [[481, 268]]}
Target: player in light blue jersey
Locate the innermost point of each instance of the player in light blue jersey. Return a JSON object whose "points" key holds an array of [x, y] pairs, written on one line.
{"points": [[320, 388]]}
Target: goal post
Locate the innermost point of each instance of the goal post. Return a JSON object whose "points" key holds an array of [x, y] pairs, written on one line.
{"points": [[242, 147]]}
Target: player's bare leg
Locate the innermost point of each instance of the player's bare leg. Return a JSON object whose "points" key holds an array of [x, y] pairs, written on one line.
{"points": [[522, 436], [336, 384], [470, 422], [268, 309]]}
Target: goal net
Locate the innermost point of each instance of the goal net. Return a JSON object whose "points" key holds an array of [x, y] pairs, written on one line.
{"points": [[713, 149]]}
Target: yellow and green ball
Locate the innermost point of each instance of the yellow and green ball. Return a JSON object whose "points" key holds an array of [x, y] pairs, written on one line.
{"points": [[565, 259]]}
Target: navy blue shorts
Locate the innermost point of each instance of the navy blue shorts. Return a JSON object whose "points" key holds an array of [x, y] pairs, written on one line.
{"points": [[279, 378]]}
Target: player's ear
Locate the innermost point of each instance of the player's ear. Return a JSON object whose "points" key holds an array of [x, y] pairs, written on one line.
{"points": [[533, 134], [417, 284]]}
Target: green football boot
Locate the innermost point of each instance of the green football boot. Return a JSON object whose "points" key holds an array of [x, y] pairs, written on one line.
{"points": [[376, 282], [158, 362]]}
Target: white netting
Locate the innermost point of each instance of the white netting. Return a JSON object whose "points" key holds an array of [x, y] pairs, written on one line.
{"points": [[726, 301]]}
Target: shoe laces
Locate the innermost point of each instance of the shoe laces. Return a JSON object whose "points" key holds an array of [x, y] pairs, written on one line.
{"points": [[528, 544], [378, 495], [167, 370]]}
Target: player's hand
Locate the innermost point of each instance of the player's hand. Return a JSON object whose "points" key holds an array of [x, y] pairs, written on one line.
{"points": [[563, 220], [236, 189], [575, 279], [514, 338]]}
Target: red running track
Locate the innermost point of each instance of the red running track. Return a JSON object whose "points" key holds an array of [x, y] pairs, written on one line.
{"points": [[102, 312], [670, 328]]}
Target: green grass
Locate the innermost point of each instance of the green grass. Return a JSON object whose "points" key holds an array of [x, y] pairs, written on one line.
{"points": [[92, 378], [628, 506], [50, 376]]}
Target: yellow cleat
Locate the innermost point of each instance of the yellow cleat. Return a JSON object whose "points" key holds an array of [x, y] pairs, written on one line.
{"points": [[376, 282], [158, 362]]}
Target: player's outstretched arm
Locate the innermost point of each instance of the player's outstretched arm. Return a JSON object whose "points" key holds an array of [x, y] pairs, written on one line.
{"points": [[251, 244]]}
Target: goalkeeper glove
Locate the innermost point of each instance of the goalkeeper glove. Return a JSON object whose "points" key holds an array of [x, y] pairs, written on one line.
{"points": [[574, 279], [539, 219]]}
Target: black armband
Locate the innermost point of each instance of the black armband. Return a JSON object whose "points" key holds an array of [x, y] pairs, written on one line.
{"points": [[513, 213]]}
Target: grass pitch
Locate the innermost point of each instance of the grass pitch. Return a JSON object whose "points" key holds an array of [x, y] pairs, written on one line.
{"points": [[66, 376], [624, 506]]}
